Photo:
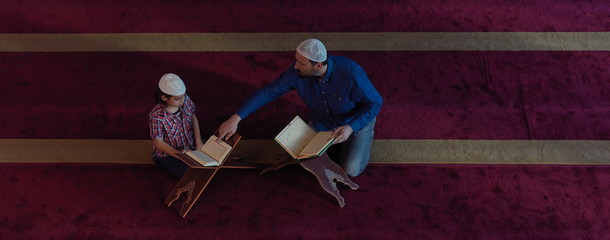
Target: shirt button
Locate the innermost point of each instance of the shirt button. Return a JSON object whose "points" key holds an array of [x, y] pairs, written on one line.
{"points": [[322, 92], [324, 101]]}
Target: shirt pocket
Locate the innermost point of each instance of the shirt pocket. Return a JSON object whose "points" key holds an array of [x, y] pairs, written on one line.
{"points": [[340, 104]]}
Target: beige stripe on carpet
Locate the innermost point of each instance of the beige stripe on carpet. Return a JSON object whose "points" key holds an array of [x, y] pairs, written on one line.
{"points": [[586, 152], [335, 41]]}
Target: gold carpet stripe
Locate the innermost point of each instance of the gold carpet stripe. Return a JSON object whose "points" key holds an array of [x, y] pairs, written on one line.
{"points": [[586, 152], [350, 41], [569, 152]]}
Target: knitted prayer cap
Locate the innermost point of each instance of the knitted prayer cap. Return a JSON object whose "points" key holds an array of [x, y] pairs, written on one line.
{"points": [[171, 84], [313, 50]]}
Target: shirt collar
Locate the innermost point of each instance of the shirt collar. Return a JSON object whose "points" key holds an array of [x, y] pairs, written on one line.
{"points": [[329, 70]]}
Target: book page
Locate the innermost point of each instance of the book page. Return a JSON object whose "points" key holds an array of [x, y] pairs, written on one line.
{"points": [[318, 144], [295, 136], [202, 158], [216, 150]]}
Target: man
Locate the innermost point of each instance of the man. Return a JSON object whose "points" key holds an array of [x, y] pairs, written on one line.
{"points": [[336, 90]]}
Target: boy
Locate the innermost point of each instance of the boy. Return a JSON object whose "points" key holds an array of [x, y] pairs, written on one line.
{"points": [[174, 128]]}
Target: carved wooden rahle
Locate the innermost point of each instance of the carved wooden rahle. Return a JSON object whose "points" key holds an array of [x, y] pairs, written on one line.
{"points": [[325, 170], [197, 178]]}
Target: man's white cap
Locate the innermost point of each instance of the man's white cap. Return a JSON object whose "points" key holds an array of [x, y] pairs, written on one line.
{"points": [[171, 84], [313, 50]]}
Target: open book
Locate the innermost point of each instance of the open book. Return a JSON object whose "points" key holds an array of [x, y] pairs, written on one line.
{"points": [[212, 153], [301, 141]]}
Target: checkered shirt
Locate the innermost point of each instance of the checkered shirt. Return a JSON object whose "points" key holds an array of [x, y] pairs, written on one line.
{"points": [[176, 129]]}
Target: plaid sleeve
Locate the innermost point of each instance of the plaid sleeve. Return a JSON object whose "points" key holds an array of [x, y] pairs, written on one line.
{"points": [[189, 106], [156, 128]]}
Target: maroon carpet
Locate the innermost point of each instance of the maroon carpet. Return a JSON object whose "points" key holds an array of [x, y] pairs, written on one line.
{"points": [[65, 201], [435, 94], [312, 16], [428, 95]]}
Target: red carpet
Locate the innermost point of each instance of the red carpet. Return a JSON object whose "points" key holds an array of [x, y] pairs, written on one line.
{"points": [[427, 95], [64, 201], [64, 16]]}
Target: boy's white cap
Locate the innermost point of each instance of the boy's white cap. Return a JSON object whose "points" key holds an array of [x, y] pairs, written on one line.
{"points": [[171, 84], [313, 50]]}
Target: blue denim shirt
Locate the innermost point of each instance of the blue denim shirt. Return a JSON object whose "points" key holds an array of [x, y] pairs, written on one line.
{"points": [[345, 95]]}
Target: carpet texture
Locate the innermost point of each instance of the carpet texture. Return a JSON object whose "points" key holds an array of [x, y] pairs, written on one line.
{"points": [[546, 95], [78, 201], [317, 16], [427, 95]]}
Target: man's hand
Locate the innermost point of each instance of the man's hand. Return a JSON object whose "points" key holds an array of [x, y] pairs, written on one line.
{"points": [[342, 133], [228, 128]]}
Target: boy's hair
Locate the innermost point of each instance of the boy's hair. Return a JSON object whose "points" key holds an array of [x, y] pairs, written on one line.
{"points": [[159, 94]]}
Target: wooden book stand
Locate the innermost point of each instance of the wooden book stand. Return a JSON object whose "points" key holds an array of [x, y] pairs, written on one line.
{"points": [[325, 170], [197, 177]]}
